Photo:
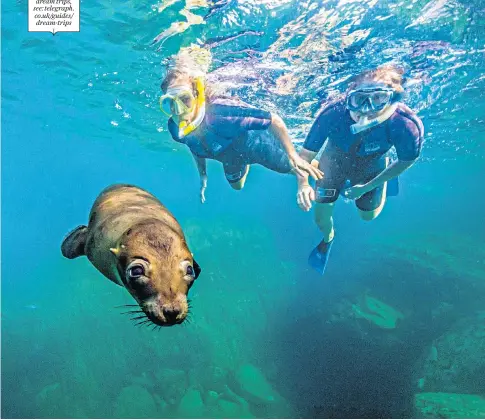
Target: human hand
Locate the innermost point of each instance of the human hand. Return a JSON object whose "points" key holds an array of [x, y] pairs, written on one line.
{"points": [[305, 196], [203, 186], [300, 166], [356, 191]]}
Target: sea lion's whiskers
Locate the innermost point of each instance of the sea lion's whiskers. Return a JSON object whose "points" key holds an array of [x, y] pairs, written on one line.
{"points": [[123, 306], [133, 312], [138, 317], [188, 319], [141, 322]]}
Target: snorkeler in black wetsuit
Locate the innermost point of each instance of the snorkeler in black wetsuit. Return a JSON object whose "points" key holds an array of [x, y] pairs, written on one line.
{"points": [[357, 133]]}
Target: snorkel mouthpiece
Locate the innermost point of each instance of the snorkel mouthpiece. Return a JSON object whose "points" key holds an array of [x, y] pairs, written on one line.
{"points": [[365, 123]]}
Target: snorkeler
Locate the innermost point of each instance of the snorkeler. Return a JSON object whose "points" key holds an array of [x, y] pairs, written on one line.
{"points": [[227, 130], [358, 133]]}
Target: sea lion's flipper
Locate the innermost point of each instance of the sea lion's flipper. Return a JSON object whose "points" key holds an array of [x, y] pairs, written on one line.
{"points": [[74, 242]]}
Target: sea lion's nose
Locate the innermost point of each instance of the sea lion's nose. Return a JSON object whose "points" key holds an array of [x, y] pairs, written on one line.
{"points": [[171, 314]]}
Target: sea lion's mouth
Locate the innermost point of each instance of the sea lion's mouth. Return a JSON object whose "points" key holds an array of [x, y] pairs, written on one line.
{"points": [[166, 323], [152, 312], [144, 318], [165, 315]]}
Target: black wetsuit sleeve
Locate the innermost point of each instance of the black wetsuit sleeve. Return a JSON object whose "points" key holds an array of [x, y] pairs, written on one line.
{"points": [[239, 116], [407, 136], [320, 131]]}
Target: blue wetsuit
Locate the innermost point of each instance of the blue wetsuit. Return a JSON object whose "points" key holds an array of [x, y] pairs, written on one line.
{"points": [[235, 134], [360, 157]]}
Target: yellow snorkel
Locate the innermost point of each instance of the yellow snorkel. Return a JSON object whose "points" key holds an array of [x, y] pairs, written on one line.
{"points": [[175, 102], [187, 128]]}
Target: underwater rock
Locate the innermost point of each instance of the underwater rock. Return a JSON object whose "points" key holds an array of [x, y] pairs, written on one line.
{"points": [[213, 378], [191, 405], [135, 401], [449, 406], [443, 256], [377, 312], [252, 385], [172, 385], [163, 407], [211, 399], [53, 402], [143, 380], [49, 401], [231, 410], [455, 363]]}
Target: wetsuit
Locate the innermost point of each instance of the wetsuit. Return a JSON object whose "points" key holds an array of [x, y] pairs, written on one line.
{"points": [[358, 158], [235, 134]]}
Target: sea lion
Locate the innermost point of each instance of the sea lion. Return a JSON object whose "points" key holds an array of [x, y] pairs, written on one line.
{"points": [[134, 241]]}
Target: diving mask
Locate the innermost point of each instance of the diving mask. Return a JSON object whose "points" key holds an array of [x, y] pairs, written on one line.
{"points": [[369, 99], [178, 100]]}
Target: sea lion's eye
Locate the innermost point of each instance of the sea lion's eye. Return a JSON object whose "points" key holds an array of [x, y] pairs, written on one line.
{"points": [[190, 270], [136, 271]]}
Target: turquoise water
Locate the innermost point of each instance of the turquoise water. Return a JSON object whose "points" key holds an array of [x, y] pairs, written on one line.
{"points": [[268, 337]]}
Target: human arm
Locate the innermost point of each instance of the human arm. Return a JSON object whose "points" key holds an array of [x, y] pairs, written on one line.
{"points": [[235, 116], [305, 194], [201, 164], [316, 138], [408, 139], [301, 167], [395, 169]]}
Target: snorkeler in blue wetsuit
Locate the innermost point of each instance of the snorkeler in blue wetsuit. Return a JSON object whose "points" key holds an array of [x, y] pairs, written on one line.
{"points": [[227, 130], [358, 132]]}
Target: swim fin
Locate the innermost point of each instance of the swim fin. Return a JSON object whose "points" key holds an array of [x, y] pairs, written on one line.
{"points": [[393, 187], [318, 259]]}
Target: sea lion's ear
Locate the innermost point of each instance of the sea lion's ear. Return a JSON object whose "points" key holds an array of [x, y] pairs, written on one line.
{"points": [[115, 251], [197, 268]]}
